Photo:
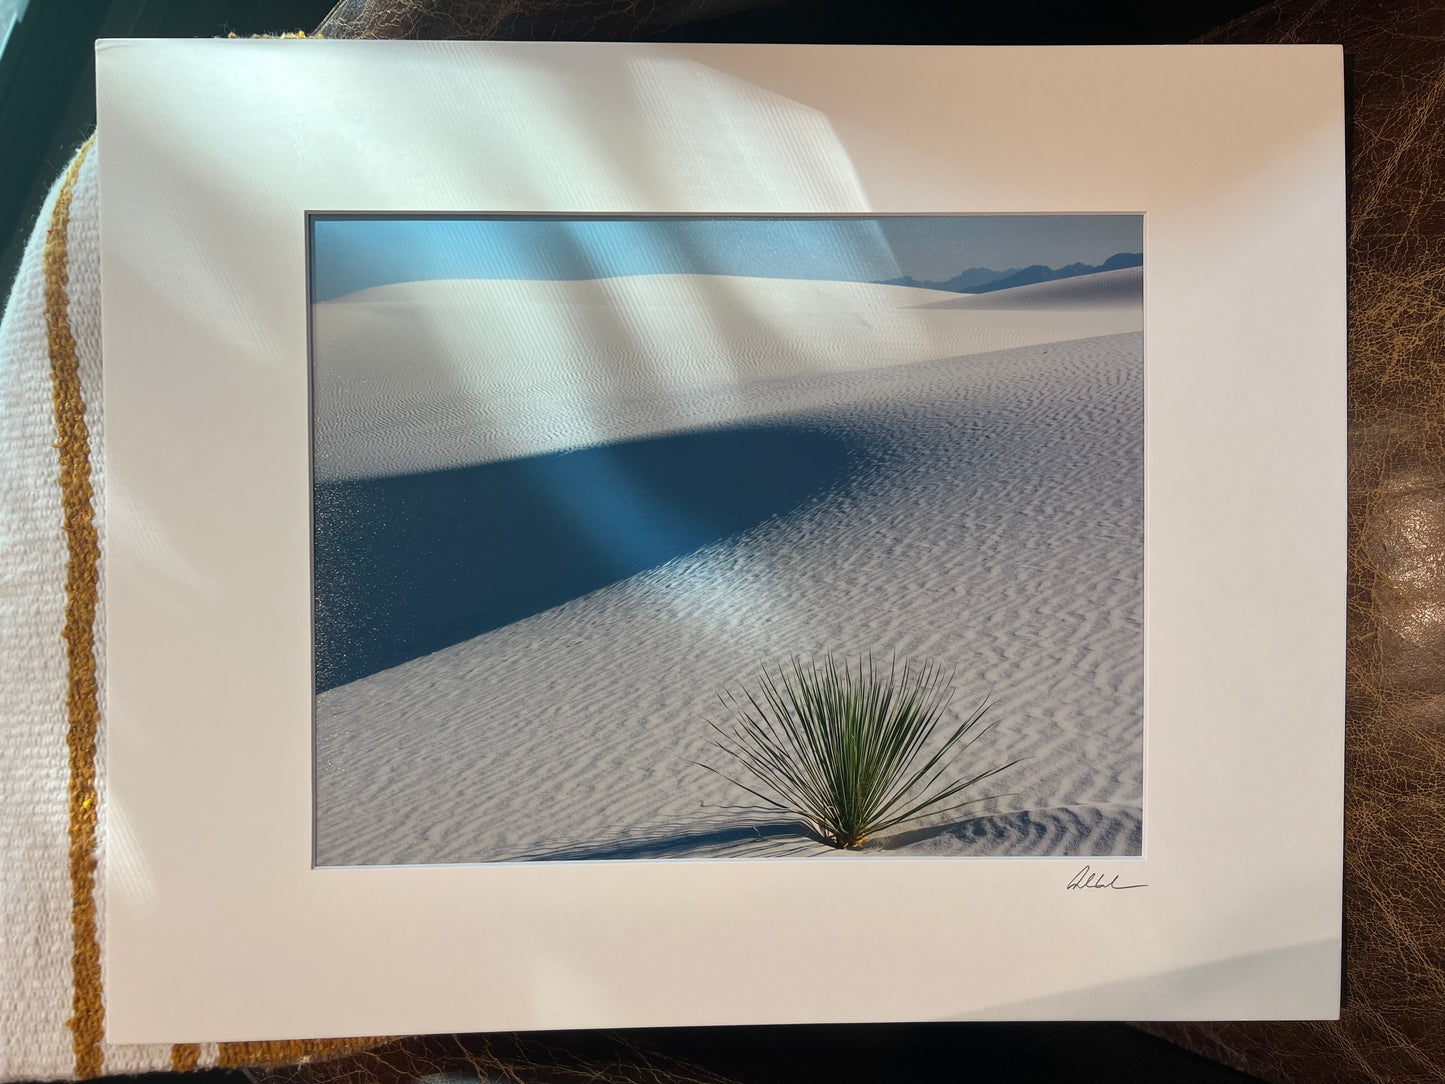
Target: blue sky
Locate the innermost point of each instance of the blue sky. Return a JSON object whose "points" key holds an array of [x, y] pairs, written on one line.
{"points": [[352, 253]]}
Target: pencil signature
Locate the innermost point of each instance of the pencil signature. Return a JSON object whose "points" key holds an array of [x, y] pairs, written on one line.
{"points": [[1087, 878]]}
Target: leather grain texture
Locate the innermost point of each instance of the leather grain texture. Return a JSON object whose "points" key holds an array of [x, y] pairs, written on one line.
{"points": [[524, 20], [583, 1057], [1392, 1026]]}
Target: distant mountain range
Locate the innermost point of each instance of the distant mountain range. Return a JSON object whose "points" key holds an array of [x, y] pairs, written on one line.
{"points": [[982, 280]]}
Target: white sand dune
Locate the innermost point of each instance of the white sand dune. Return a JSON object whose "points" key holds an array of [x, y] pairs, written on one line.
{"points": [[424, 376], [1001, 531], [1093, 830], [1123, 289]]}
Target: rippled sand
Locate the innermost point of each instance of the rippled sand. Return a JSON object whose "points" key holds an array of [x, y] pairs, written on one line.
{"points": [[998, 528]]}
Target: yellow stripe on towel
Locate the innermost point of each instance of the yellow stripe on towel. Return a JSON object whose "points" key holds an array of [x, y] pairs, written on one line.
{"points": [[291, 1051], [185, 1056], [81, 586], [87, 1023]]}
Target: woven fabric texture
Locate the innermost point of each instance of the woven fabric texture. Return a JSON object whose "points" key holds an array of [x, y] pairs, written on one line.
{"points": [[53, 837], [51, 1015]]}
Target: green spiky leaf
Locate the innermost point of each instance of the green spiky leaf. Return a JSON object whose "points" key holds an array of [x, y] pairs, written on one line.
{"points": [[840, 745]]}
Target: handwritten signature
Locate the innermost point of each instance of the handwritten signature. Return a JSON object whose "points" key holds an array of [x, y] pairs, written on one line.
{"points": [[1087, 878]]}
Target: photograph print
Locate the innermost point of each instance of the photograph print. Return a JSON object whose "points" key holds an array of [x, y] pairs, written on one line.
{"points": [[727, 537]]}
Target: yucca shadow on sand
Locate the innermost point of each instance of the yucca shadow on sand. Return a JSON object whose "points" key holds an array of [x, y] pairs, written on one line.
{"points": [[1061, 831], [1082, 830], [748, 832]]}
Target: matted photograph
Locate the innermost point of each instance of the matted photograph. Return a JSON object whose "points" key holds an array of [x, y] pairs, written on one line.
{"points": [[690, 537], [621, 519]]}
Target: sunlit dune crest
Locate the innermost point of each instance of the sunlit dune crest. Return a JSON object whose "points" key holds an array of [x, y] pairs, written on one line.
{"points": [[501, 368]]}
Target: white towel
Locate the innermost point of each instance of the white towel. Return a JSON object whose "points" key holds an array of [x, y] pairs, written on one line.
{"points": [[51, 967]]}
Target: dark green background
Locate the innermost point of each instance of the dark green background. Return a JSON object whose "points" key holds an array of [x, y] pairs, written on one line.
{"points": [[47, 83]]}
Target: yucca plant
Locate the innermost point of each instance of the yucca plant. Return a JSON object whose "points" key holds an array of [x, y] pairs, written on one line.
{"points": [[840, 745]]}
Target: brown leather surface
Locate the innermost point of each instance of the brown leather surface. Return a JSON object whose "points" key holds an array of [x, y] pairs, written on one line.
{"points": [[1393, 1024], [581, 1057], [523, 20], [1392, 1027]]}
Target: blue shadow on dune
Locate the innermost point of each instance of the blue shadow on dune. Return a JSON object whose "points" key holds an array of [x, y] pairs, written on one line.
{"points": [[408, 565]]}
